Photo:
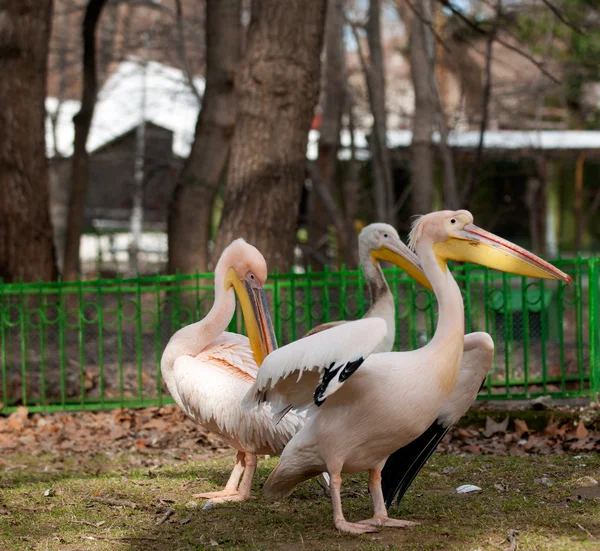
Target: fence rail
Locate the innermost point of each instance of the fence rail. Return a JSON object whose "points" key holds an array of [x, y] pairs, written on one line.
{"points": [[97, 344]]}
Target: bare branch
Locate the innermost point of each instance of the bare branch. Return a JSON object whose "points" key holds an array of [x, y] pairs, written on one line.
{"points": [[507, 45], [182, 52], [429, 23], [470, 186], [561, 16]]}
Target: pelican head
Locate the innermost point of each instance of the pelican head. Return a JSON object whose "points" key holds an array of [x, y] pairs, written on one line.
{"points": [[384, 243], [453, 236], [243, 268]]}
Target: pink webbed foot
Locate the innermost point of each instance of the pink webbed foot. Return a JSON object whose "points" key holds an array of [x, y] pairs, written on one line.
{"points": [[213, 495], [354, 528], [386, 521]]}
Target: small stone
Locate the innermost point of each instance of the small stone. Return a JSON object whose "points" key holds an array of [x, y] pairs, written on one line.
{"points": [[543, 402], [467, 489], [208, 506], [448, 470], [191, 505], [49, 492]]}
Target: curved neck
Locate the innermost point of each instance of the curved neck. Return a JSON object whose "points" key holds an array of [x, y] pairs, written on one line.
{"points": [[376, 282], [382, 301], [192, 339], [448, 340]]}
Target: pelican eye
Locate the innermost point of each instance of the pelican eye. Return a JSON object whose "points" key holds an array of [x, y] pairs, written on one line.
{"points": [[385, 235], [453, 221]]}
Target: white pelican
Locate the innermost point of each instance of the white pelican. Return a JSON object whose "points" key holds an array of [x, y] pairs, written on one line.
{"points": [[208, 370], [381, 241], [358, 417]]}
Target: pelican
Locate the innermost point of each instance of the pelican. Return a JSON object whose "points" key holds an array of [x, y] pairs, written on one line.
{"points": [[208, 370], [381, 241], [362, 407]]}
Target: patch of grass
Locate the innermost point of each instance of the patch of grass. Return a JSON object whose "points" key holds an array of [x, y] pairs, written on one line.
{"points": [[528, 494]]}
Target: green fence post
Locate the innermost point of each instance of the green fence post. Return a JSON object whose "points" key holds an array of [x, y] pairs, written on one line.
{"points": [[593, 325]]}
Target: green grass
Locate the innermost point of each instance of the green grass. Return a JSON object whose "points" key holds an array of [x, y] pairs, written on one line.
{"points": [[69, 520]]}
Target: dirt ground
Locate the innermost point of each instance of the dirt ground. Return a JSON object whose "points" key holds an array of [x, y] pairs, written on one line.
{"points": [[123, 480]]}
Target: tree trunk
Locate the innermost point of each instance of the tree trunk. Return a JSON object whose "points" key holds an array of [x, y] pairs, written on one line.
{"points": [[323, 206], [382, 164], [83, 122], [26, 248], [421, 167], [277, 86], [191, 208]]}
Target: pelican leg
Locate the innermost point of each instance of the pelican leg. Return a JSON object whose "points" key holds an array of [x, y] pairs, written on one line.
{"points": [[338, 514], [233, 482], [380, 516], [243, 491]]}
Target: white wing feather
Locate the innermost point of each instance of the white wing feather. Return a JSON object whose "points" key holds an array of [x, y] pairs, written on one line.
{"points": [[313, 368]]}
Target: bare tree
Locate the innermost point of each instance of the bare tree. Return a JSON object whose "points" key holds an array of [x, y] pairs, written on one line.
{"points": [[83, 122], [422, 162], [382, 164], [26, 249], [323, 207], [190, 214], [277, 87]]}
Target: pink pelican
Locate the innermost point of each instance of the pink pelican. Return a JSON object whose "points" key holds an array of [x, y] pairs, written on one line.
{"points": [[381, 242], [362, 407], [209, 370]]}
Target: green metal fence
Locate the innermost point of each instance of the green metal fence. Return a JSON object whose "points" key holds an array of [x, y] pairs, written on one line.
{"points": [[97, 344]]}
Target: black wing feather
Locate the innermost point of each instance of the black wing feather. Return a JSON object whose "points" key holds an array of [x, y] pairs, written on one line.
{"points": [[404, 464]]}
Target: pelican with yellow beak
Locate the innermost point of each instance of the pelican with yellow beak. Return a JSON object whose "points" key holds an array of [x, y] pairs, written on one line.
{"points": [[363, 407], [378, 242], [208, 370]]}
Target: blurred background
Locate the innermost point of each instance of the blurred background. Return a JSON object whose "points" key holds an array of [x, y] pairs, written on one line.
{"points": [[144, 135]]}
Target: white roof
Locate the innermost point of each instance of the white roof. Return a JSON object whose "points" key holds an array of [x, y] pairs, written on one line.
{"points": [[496, 139], [169, 103]]}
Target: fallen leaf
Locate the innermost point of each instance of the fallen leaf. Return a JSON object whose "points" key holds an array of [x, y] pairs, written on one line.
{"points": [[491, 427], [49, 492], [551, 428], [186, 520], [521, 428], [581, 431]]}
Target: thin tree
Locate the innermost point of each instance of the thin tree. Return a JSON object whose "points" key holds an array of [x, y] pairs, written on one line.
{"points": [[422, 157], [323, 208], [190, 214], [382, 164], [26, 248], [83, 122], [277, 84]]}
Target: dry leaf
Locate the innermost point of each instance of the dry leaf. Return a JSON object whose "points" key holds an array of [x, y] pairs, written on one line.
{"points": [[581, 431], [521, 428], [551, 428], [491, 427]]}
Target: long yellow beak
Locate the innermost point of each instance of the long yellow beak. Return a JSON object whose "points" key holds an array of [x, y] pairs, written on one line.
{"points": [[405, 259], [472, 244], [256, 315]]}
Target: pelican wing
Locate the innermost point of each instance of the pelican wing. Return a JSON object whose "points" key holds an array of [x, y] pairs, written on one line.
{"points": [[309, 370], [404, 464], [232, 353]]}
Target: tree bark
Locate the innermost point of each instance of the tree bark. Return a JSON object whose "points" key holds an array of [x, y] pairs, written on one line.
{"points": [[83, 122], [190, 213], [26, 248], [421, 167], [277, 88], [323, 206], [382, 164]]}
